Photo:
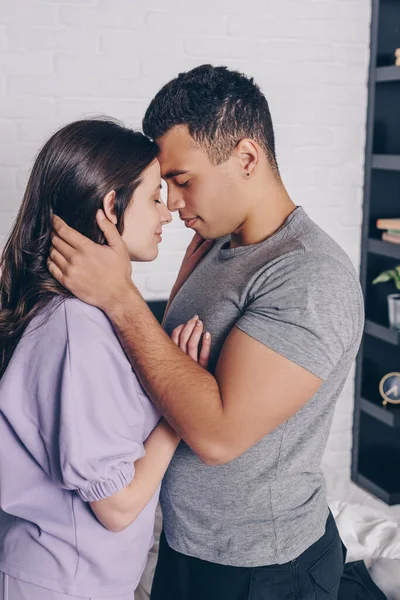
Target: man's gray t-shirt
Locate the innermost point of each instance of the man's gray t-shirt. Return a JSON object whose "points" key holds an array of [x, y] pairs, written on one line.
{"points": [[296, 292]]}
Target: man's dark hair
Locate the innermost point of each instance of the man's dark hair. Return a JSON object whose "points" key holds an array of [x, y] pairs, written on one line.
{"points": [[219, 106]]}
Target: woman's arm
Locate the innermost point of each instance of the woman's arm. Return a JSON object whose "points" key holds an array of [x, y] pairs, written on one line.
{"points": [[119, 510]]}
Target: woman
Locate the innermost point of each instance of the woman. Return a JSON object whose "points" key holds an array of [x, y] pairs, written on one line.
{"points": [[81, 454]]}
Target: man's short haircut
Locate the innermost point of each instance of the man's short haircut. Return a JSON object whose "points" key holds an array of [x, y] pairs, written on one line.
{"points": [[219, 106]]}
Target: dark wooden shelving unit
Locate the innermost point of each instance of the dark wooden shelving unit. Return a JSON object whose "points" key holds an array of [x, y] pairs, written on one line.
{"points": [[391, 73], [386, 414], [384, 248], [157, 307], [376, 428], [386, 162], [387, 334]]}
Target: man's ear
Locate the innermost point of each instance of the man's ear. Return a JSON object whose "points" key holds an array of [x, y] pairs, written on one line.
{"points": [[109, 208], [248, 154]]}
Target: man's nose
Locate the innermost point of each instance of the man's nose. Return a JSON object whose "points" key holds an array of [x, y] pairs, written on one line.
{"points": [[175, 202]]}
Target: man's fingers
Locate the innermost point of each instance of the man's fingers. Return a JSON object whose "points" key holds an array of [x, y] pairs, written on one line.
{"points": [[193, 343], [63, 248], [205, 350], [68, 234], [114, 240], [58, 259], [176, 333], [55, 271]]}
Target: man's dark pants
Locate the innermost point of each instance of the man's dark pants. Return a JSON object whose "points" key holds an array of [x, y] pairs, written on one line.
{"points": [[314, 575]]}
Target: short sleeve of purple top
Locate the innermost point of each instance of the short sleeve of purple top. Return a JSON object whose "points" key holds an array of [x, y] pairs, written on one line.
{"points": [[73, 419]]}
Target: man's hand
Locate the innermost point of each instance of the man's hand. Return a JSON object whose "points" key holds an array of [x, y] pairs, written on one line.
{"points": [[99, 275], [187, 337]]}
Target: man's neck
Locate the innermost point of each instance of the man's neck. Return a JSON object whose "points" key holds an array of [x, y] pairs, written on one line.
{"points": [[266, 215]]}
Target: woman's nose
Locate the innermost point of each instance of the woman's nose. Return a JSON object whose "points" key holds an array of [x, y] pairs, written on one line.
{"points": [[166, 216]]}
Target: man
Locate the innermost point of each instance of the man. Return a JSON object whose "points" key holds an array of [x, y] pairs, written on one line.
{"points": [[244, 505]]}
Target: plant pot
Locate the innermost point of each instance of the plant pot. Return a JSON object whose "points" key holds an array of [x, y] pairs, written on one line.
{"points": [[394, 310]]}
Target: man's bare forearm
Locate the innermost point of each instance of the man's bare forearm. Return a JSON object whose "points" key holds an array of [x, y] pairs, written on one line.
{"points": [[186, 394]]}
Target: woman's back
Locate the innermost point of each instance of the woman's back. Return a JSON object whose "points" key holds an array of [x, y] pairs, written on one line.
{"points": [[73, 419]]}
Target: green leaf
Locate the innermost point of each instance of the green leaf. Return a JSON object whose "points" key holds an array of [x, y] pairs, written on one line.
{"points": [[385, 276]]}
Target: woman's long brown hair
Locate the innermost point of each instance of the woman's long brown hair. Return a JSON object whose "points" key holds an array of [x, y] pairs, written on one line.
{"points": [[71, 175]]}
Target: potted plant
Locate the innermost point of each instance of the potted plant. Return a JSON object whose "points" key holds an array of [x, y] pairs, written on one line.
{"points": [[393, 299]]}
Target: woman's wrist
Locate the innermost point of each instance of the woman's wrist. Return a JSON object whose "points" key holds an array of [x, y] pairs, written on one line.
{"points": [[169, 433]]}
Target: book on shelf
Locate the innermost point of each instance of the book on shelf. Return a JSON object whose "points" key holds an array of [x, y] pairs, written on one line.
{"points": [[390, 237], [388, 224], [392, 230]]}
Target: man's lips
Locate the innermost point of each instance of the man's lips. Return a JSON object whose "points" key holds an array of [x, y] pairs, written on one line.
{"points": [[189, 222]]}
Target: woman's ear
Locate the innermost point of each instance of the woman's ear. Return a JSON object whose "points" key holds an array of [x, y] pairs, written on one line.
{"points": [[109, 208]]}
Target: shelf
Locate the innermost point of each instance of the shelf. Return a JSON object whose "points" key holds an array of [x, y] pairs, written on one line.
{"points": [[387, 334], [376, 428], [390, 498], [384, 248], [391, 73], [387, 162], [390, 414], [157, 307]]}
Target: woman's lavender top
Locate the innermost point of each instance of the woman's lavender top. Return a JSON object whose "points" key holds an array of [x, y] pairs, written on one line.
{"points": [[73, 419]]}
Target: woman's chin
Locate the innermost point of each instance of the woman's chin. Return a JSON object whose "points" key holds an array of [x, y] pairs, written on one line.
{"points": [[147, 255]]}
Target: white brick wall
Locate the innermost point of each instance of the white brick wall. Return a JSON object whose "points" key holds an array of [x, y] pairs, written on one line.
{"points": [[62, 59]]}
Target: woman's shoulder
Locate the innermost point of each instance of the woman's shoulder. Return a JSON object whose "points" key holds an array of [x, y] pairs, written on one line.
{"points": [[69, 329], [66, 313], [64, 321], [76, 312]]}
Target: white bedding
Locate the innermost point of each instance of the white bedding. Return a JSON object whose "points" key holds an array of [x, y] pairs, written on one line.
{"points": [[374, 537]]}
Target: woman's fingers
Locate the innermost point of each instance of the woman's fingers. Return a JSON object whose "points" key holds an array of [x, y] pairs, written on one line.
{"points": [[194, 340], [205, 350], [185, 334], [187, 337], [176, 333]]}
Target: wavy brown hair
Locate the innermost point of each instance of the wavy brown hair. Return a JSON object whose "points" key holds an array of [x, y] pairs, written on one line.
{"points": [[72, 174]]}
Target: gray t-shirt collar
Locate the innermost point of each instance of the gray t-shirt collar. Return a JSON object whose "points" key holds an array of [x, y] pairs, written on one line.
{"points": [[225, 252]]}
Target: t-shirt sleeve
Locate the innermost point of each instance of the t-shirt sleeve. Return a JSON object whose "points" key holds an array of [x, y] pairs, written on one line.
{"points": [[93, 430], [307, 309]]}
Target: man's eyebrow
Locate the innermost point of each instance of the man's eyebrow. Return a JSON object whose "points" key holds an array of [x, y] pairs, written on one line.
{"points": [[174, 174]]}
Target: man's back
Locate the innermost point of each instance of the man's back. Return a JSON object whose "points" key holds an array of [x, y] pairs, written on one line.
{"points": [[297, 293]]}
